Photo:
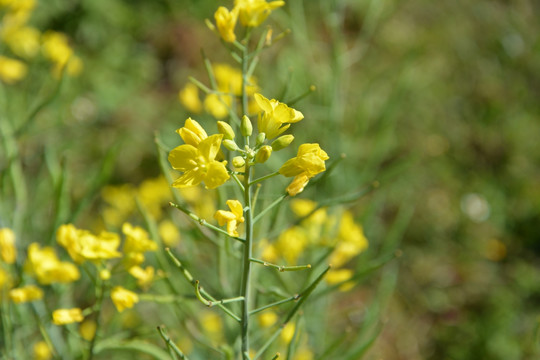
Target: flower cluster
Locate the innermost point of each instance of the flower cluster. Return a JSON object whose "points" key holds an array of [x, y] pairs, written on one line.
{"points": [[25, 42]]}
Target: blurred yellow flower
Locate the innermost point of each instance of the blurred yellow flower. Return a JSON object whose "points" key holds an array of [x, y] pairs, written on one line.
{"points": [[199, 164], [137, 239], [22, 40], [121, 203], [67, 316], [217, 105], [25, 294], [212, 325], [169, 233], [303, 354], [277, 116], [41, 351], [231, 218], [8, 251], [189, 97], [87, 329], [144, 276], [225, 22], [351, 240], [47, 268], [123, 298], [11, 70], [5, 280], [267, 319], [253, 12], [291, 243], [336, 276], [308, 162], [288, 332], [56, 48], [83, 245]]}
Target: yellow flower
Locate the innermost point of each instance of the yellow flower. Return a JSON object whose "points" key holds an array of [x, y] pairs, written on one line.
{"points": [[153, 193], [351, 240], [121, 203], [267, 319], [337, 276], [56, 47], [308, 162], [87, 329], [231, 218], [189, 97], [25, 294], [67, 316], [291, 243], [199, 164], [136, 243], [8, 252], [253, 12], [5, 280], [192, 133], [22, 40], [48, 269], [212, 325], [277, 116], [225, 22], [11, 70], [144, 276], [303, 354], [169, 233], [41, 351], [123, 298], [217, 105], [288, 332], [83, 245]]}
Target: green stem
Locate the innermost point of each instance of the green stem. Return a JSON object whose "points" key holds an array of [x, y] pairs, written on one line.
{"points": [[292, 298], [170, 344], [281, 268], [98, 306], [246, 273], [264, 178], [276, 202]]}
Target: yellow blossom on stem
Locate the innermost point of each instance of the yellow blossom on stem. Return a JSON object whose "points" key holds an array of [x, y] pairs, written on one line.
{"points": [[291, 243], [83, 245], [25, 294], [123, 298], [351, 240], [12, 70], [199, 164], [277, 116], [231, 218], [67, 316], [135, 244], [42, 351], [189, 97], [192, 133], [47, 268], [226, 22], [253, 12], [8, 251], [144, 276], [87, 329], [308, 162]]}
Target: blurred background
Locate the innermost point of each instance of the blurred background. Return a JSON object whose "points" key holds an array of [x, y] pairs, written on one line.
{"points": [[436, 101]]}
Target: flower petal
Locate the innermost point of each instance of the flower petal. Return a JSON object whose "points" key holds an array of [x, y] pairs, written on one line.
{"points": [[209, 147], [217, 175], [183, 157]]}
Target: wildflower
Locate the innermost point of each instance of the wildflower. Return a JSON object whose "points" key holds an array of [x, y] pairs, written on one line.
{"points": [[303, 354], [212, 325], [42, 351], [25, 294], [351, 240], [56, 48], [267, 319], [83, 245], [47, 268], [217, 105], [136, 243], [121, 202], [199, 163], [253, 12], [225, 22], [169, 233], [8, 252], [291, 243], [189, 97], [277, 116], [192, 133], [123, 298], [153, 193], [337, 276], [11, 70], [288, 332], [22, 40], [308, 162], [231, 218], [87, 329], [144, 276], [67, 316]]}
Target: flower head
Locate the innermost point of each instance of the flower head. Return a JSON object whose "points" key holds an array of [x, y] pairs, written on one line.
{"points": [[12, 70], [47, 268], [192, 133], [83, 245], [25, 294], [277, 116], [231, 218], [253, 12], [67, 316], [8, 252], [199, 163], [123, 298], [308, 162], [225, 22]]}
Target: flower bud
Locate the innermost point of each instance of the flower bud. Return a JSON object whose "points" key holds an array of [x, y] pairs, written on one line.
{"points": [[246, 127], [230, 145], [282, 142], [263, 154], [226, 130], [260, 138], [238, 161]]}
